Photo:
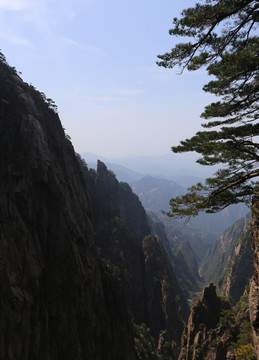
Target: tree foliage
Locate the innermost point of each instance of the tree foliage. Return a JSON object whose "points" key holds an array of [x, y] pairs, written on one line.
{"points": [[221, 36]]}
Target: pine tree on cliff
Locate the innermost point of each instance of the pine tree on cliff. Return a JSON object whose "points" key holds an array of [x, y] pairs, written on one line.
{"points": [[222, 37]]}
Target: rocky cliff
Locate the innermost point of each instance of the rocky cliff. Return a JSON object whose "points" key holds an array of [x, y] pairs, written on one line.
{"points": [[217, 330], [229, 263], [254, 284], [56, 301], [239, 269]]}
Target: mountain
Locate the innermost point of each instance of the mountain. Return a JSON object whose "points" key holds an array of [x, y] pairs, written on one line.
{"points": [[187, 180], [200, 241], [155, 193]]}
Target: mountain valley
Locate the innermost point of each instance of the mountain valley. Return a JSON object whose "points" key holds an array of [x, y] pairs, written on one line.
{"points": [[92, 269]]}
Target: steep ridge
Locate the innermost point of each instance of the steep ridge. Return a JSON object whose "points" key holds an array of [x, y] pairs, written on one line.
{"points": [[229, 263], [254, 283], [123, 236], [56, 301]]}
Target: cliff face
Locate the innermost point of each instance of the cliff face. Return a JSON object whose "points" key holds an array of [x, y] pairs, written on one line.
{"points": [[239, 269], [229, 262], [254, 283], [55, 301], [200, 332]]}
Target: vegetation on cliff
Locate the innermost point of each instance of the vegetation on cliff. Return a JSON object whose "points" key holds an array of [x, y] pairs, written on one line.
{"points": [[217, 329]]}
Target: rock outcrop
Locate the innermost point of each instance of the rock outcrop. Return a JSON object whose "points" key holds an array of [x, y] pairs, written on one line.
{"points": [[202, 328], [218, 330]]}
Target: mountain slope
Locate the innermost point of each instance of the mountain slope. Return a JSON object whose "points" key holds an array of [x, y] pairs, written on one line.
{"points": [[239, 269], [56, 301], [154, 193]]}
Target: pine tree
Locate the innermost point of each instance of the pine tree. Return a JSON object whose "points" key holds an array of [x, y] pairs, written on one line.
{"points": [[222, 36]]}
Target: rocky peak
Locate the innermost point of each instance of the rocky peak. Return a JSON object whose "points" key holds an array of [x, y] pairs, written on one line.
{"points": [[101, 168], [202, 327], [209, 295], [104, 173], [217, 329]]}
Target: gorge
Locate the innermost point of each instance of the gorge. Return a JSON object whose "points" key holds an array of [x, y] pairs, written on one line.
{"points": [[85, 272]]}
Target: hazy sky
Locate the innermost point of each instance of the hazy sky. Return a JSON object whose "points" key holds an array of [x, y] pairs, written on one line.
{"points": [[97, 60]]}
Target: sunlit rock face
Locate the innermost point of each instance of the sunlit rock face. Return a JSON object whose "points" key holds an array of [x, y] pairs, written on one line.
{"points": [[254, 284], [202, 329], [56, 302]]}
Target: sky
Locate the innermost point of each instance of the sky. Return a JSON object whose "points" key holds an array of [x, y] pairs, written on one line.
{"points": [[97, 60]]}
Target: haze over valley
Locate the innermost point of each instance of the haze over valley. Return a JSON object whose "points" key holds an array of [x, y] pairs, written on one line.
{"points": [[129, 193]]}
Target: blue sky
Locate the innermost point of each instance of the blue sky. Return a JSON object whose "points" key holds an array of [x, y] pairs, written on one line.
{"points": [[97, 60]]}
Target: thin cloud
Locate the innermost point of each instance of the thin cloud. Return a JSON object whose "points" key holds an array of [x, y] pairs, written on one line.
{"points": [[16, 40], [14, 5], [103, 98], [100, 101], [131, 92], [85, 47]]}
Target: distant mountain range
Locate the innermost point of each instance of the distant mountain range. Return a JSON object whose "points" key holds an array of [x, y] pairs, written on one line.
{"points": [[132, 169], [168, 165]]}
